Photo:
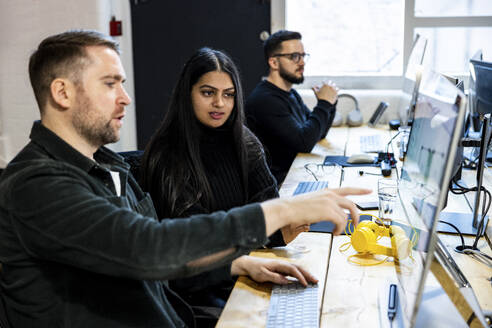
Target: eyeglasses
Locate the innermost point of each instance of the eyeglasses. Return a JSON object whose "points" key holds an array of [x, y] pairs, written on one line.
{"points": [[320, 171], [295, 56]]}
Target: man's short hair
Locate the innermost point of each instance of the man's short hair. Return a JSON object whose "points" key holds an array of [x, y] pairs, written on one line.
{"points": [[63, 55], [273, 44]]}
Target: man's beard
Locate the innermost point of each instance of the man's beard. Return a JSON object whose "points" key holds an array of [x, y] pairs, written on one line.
{"points": [[90, 124], [291, 78]]}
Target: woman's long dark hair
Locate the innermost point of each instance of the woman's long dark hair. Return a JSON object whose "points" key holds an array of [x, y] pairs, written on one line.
{"points": [[172, 170]]}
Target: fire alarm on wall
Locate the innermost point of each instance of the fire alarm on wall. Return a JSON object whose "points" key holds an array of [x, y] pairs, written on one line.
{"points": [[114, 27]]}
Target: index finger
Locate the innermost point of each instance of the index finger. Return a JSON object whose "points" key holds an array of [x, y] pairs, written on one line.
{"points": [[309, 277], [345, 191], [293, 271], [349, 205], [354, 213]]}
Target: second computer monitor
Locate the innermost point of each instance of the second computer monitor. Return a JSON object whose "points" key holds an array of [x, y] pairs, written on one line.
{"points": [[411, 79], [424, 181], [480, 92]]}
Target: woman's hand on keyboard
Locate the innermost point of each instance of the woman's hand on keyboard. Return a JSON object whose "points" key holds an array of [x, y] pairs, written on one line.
{"points": [[276, 271]]}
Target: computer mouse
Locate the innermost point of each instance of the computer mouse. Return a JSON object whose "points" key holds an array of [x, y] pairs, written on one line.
{"points": [[360, 159]]}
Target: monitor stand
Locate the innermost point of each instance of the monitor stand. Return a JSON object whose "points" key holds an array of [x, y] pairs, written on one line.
{"points": [[437, 310], [469, 223], [463, 221]]}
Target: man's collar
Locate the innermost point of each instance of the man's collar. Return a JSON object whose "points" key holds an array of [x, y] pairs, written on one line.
{"points": [[275, 87], [61, 150]]}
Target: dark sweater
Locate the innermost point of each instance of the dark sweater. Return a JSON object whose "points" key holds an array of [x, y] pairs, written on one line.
{"points": [[284, 124], [222, 167], [221, 164]]}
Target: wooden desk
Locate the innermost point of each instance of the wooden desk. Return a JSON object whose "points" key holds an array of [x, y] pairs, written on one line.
{"points": [[350, 293]]}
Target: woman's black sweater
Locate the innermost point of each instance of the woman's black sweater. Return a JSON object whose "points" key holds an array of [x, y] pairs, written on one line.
{"points": [[221, 164]]}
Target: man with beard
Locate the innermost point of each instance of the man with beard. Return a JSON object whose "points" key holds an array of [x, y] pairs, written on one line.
{"points": [[276, 113], [80, 242]]}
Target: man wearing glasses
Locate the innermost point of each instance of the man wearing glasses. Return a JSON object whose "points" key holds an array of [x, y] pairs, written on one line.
{"points": [[277, 114]]}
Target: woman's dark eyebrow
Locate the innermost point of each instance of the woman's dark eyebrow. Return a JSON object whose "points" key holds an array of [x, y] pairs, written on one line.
{"points": [[211, 87]]}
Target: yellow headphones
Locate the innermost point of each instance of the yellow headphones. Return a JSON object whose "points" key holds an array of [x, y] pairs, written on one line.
{"points": [[367, 233]]}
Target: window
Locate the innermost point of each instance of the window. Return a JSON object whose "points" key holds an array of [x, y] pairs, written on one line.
{"points": [[455, 32], [450, 48], [366, 44], [444, 8], [369, 42]]}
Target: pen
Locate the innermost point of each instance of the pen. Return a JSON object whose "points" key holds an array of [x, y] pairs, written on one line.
{"points": [[392, 302]]}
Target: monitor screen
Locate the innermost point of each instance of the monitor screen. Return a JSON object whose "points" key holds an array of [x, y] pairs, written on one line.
{"points": [[411, 79], [475, 123], [480, 92], [423, 186]]}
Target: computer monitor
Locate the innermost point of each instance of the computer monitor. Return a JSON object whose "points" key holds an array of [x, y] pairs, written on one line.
{"points": [[479, 95], [458, 160], [411, 79], [480, 89], [424, 181], [475, 124], [478, 137], [480, 92]]}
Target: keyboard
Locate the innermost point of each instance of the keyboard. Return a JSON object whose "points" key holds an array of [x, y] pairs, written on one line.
{"points": [[307, 186], [293, 305], [372, 144]]}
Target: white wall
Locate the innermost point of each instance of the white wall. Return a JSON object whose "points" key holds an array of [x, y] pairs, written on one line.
{"points": [[23, 24], [368, 102]]}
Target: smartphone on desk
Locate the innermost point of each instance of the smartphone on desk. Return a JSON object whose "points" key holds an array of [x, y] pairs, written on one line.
{"points": [[367, 205], [365, 202]]}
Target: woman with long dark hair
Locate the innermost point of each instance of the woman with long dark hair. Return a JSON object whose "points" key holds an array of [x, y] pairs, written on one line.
{"points": [[203, 159]]}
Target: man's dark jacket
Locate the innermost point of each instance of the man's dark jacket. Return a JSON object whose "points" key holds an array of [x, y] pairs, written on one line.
{"points": [[75, 254]]}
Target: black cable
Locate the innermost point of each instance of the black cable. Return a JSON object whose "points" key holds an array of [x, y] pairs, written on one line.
{"points": [[457, 230], [389, 143], [461, 189], [364, 172], [487, 200]]}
